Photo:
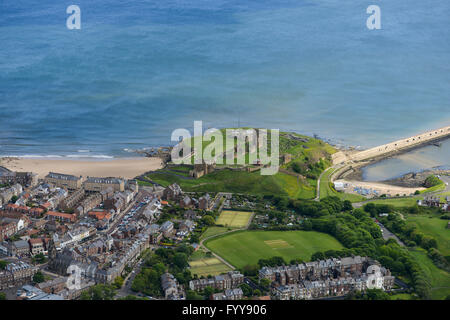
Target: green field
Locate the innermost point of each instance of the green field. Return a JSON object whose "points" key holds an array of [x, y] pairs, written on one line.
{"points": [[247, 247], [204, 264], [213, 230], [303, 149], [434, 227], [440, 279], [208, 266], [239, 182], [234, 219], [327, 190], [402, 296], [398, 202]]}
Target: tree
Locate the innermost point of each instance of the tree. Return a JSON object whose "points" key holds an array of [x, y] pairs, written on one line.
{"points": [[432, 181], [38, 277], [264, 283], [118, 282], [318, 256], [99, 292], [250, 270], [2, 296], [246, 290], [307, 225], [3, 264], [180, 260], [208, 220], [39, 258], [208, 292], [347, 205], [257, 293], [192, 295]]}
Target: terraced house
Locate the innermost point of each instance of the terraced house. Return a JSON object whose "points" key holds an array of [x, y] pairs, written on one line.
{"points": [[331, 277], [94, 184], [230, 280], [64, 180]]}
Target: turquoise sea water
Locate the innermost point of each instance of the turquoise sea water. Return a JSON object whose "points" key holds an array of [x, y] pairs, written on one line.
{"points": [[139, 69]]}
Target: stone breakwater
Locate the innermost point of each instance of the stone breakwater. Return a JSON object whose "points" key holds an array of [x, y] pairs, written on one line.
{"points": [[342, 157]]}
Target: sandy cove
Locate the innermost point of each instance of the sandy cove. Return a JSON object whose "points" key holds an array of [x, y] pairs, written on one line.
{"points": [[125, 168]]}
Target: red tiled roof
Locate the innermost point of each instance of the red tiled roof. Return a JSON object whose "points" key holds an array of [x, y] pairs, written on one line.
{"points": [[35, 241], [62, 215], [100, 215], [46, 205]]}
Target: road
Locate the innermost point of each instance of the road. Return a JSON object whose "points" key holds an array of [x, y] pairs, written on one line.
{"points": [[388, 235], [128, 281], [317, 198]]}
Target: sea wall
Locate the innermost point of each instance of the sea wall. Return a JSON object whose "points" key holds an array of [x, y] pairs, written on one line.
{"points": [[394, 146]]}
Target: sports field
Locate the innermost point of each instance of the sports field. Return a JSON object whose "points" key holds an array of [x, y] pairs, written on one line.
{"points": [[208, 266], [234, 219], [247, 247]]}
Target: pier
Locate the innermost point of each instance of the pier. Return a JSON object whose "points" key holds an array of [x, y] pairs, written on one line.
{"points": [[340, 158]]}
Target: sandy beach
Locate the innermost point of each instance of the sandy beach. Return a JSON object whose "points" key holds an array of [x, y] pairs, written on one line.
{"points": [[383, 188], [125, 168]]}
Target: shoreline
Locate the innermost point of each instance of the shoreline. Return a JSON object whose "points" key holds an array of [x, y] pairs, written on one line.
{"points": [[357, 169], [127, 168]]}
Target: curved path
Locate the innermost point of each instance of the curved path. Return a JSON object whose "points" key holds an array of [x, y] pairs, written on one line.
{"points": [[317, 198]]}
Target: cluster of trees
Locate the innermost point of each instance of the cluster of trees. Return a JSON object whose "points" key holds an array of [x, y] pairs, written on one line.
{"points": [[326, 206], [99, 292], [310, 168], [38, 277], [431, 181], [3, 264], [369, 294], [39, 259], [355, 230], [362, 236], [319, 255], [271, 262], [375, 209], [439, 259], [175, 261], [249, 291], [408, 232]]}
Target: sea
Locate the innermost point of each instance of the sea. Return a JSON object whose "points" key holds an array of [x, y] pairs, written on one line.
{"points": [[138, 69]]}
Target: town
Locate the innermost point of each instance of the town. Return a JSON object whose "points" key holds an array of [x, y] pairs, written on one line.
{"points": [[64, 235]]}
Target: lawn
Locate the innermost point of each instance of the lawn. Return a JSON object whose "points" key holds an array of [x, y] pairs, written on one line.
{"points": [[234, 219], [434, 227], [402, 296], [239, 182], [327, 190], [247, 247], [440, 279], [398, 202], [208, 266], [213, 230], [204, 264]]}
